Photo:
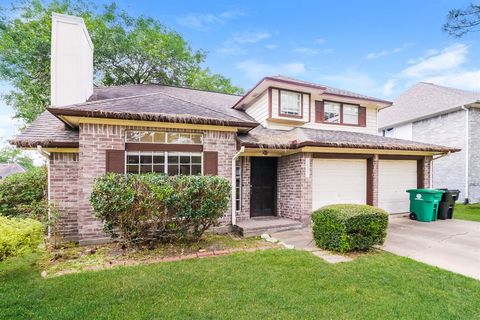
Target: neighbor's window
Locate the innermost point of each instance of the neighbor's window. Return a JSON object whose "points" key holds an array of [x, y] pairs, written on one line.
{"points": [[290, 103], [163, 137], [171, 163], [238, 185], [350, 114], [331, 112]]}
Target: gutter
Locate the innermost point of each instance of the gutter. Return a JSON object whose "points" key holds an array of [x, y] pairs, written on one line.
{"points": [[467, 153], [46, 155], [234, 185]]}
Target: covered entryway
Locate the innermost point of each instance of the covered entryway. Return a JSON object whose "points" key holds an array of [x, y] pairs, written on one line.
{"points": [[263, 186], [339, 181], [394, 178]]}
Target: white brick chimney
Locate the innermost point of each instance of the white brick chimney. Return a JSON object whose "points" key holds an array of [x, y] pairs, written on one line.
{"points": [[71, 68]]}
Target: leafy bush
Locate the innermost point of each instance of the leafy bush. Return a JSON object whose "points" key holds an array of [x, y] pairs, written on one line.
{"points": [[23, 194], [148, 207], [349, 227], [19, 236]]}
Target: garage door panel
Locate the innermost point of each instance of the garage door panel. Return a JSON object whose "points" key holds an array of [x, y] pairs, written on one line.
{"points": [[338, 181], [394, 178]]}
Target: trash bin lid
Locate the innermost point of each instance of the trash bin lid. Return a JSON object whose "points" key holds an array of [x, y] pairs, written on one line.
{"points": [[425, 191]]}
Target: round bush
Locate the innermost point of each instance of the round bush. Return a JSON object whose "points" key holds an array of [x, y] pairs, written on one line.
{"points": [[19, 236], [349, 227]]}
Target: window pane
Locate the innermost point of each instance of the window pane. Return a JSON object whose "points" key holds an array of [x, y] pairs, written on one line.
{"points": [[196, 138], [181, 138], [196, 169], [132, 158], [146, 137], [331, 112], [132, 168], [159, 168], [196, 159], [145, 168], [184, 159], [131, 136], [350, 114], [290, 103], [172, 170], [159, 137], [158, 158], [185, 169], [146, 158], [172, 158]]}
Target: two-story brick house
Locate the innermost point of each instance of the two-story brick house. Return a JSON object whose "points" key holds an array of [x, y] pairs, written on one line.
{"points": [[287, 146]]}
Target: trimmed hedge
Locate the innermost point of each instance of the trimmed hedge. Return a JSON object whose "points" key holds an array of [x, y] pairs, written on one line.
{"points": [[153, 207], [349, 227], [19, 236], [23, 194]]}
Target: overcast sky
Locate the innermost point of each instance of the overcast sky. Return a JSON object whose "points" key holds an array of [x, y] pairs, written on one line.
{"points": [[378, 48]]}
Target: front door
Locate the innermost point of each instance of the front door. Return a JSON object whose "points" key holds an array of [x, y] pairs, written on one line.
{"points": [[263, 186]]}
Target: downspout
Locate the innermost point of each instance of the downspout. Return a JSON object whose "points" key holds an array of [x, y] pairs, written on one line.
{"points": [[467, 131], [234, 184], [46, 155]]}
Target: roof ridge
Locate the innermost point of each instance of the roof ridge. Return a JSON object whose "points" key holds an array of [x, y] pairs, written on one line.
{"points": [[169, 86], [103, 100], [451, 90]]}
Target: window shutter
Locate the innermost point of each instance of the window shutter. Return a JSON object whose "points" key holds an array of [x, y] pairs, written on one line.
{"points": [[115, 161], [318, 111], [362, 116], [210, 163]]}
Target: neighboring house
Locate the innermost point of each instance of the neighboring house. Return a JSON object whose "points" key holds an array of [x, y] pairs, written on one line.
{"points": [[431, 113], [287, 146], [7, 169]]}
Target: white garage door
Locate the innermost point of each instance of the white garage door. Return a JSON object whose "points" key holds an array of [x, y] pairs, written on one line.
{"points": [[339, 181], [394, 178]]}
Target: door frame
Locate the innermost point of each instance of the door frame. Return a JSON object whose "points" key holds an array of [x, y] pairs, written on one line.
{"points": [[274, 185]]}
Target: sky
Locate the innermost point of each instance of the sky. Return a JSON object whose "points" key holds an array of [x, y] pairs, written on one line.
{"points": [[378, 48]]}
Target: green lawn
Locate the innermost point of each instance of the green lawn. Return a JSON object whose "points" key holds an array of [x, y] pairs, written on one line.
{"points": [[280, 284], [467, 212]]}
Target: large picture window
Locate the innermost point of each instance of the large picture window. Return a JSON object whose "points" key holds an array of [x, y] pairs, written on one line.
{"points": [[290, 103], [171, 163], [163, 137]]}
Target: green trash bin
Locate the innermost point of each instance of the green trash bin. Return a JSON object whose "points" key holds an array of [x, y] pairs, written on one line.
{"points": [[424, 204]]}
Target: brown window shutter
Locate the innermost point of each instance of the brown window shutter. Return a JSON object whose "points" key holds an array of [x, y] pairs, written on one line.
{"points": [[210, 163], [115, 161], [362, 116], [318, 111]]}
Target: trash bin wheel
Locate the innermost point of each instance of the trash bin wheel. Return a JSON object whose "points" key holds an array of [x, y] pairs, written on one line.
{"points": [[413, 216]]}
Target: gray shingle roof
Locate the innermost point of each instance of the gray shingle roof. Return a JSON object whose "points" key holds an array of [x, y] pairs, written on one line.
{"points": [[299, 137], [424, 100], [161, 103], [47, 131], [7, 169]]}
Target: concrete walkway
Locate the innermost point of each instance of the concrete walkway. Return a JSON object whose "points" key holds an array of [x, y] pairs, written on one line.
{"points": [[452, 245], [302, 239]]}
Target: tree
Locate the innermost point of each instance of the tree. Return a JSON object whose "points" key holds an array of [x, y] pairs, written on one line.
{"points": [[128, 50], [14, 155], [460, 22]]}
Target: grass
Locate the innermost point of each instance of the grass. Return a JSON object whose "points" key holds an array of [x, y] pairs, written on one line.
{"points": [[467, 212], [270, 284]]}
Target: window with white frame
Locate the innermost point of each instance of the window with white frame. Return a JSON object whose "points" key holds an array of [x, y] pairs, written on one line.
{"points": [[238, 184], [171, 163], [331, 112], [290, 103], [350, 114], [163, 137]]}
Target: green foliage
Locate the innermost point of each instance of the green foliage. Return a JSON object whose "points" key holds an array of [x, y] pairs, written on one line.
{"points": [[349, 227], [128, 50], [155, 207], [19, 236], [23, 194], [11, 154]]}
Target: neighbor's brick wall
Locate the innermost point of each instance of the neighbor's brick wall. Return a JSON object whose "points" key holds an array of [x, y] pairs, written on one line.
{"points": [[474, 156], [64, 187], [448, 130], [95, 139], [294, 189]]}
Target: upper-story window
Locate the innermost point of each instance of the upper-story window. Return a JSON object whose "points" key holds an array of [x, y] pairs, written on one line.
{"points": [[341, 113], [290, 103], [163, 137]]}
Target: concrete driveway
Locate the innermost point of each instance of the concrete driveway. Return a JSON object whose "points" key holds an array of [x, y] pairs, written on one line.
{"points": [[453, 245]]}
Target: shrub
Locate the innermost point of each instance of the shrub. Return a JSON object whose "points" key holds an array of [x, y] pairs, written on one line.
{"points": [[23, 194], [349, 227], [19, 236], [141, 208]]}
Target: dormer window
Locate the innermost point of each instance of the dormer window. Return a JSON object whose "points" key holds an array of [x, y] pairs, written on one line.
{"points": [[290, 103]]}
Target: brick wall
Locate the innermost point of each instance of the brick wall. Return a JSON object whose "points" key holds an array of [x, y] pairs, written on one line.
{"points": [[294, 188], [244, 213], [63, 189], [474, 156], [95, 139]]}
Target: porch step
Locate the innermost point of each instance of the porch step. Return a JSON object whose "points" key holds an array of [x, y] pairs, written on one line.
{"points": [[258, 226]]}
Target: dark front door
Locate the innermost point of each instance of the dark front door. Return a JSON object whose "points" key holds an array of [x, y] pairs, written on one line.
{"points": [[263, 186]]}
